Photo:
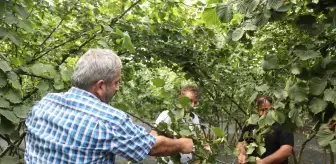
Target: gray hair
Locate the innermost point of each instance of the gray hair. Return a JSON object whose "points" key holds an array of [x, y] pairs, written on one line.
{"points": [[94, 65]]}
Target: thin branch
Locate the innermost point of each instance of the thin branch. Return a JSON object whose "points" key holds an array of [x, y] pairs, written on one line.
{"points": [[29, 94], [115, 20], [45, 53], [20, 72], [64, 57], [13, 145], [303, 145], [52, 32], [239, 107]]}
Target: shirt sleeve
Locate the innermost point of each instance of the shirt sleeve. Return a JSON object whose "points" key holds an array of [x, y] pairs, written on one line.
{"points": [[286, 137], [163, 117], [241, 138], [131, 141]]}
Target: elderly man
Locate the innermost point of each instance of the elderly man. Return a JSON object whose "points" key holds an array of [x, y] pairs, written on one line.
{"points": [[79, 126], [279, 143]]}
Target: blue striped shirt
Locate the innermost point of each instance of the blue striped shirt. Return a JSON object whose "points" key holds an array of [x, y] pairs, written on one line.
{"points": [[76, 127]]}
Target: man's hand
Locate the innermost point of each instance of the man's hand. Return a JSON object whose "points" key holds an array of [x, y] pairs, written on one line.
{"points": [[259, 161], [186, 145], [241, 159]]}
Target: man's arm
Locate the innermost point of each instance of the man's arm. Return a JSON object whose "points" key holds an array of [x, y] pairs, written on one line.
{"points": [[242, 153], [165, 146], [279, 156]]}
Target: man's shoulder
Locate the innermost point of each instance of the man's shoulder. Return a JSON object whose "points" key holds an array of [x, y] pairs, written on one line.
{"points": [[86, 104]]}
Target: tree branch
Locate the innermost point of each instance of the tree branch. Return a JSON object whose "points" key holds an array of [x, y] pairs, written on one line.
{"points": [[64, 57], [45, 53], [303, 145], [52, 32], [13, 145], [21, 72], [115, 20], [29, 94]]}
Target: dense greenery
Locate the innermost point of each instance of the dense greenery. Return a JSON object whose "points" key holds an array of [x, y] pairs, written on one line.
{"points": [[233, 50]]}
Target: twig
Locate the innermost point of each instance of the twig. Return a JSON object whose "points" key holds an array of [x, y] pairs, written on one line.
{"points": [[45, 53], [115, 20], [64, 57], [52, 32], [304, 144], [21, 72], [29, 94], [11, 146]]}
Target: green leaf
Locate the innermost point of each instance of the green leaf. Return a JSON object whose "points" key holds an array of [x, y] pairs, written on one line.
{"points": [[270, 62], [41, 69], [279, 105], [296, 69], [158, 82], [285, 7], [185, 133], [250, 149], [4, 103], [237, 34], [330, 95], [13, 79], [14, 37], [3, 31], [253, 120], [278, 116], [127, 43], [21, 111], [333, 145], [9, 115], [26, 25], [293, 113], [251, 159], [43, 86], [10, 160], [218, 132], [317, 105], [262, 19], [6, 126], [3, 81], [280, 94], [324, 136], [261, 150], [333, 81], [185, 102], [317, 86], [274, 4], [65, 74], [305, 55], [21, 10], [58, 83], [210, 17], [298, 92], [249, 27], [4, 66], [262, 88], [224, 12], [178, 113], [252, 98], [13, 96], [269, 120]]}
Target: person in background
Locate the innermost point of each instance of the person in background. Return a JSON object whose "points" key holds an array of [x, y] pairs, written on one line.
{"points": [[78, 126], [279, 144], [191, 92]]}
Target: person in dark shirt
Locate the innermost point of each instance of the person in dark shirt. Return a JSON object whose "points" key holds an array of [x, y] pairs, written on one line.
{"points": [[279, 143]]}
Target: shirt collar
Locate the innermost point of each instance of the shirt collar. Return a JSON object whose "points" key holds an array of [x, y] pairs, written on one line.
{"points": [[78, 91]]}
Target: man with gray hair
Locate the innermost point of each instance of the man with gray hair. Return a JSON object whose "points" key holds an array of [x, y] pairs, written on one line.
{"points": [[79, 126]]}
